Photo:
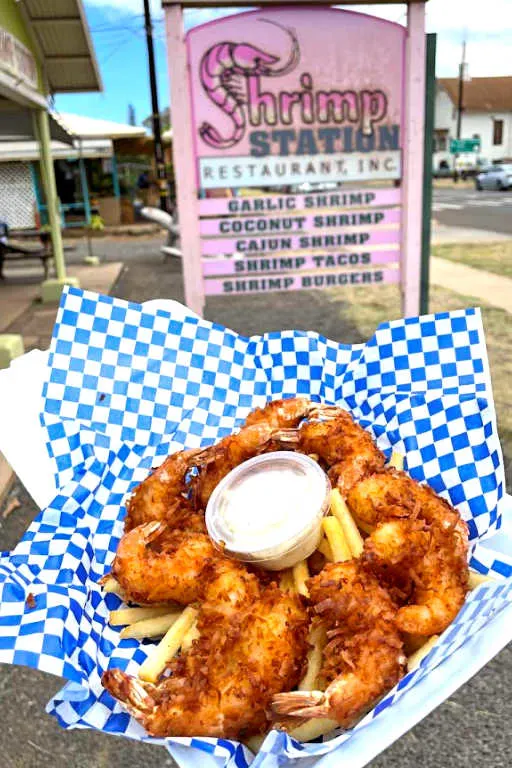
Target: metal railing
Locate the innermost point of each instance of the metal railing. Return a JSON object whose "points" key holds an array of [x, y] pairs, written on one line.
{"points": [[166, 221]]}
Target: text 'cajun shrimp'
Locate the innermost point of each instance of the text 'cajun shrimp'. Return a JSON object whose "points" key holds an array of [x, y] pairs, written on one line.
{"points": [[363, 658], [224, 70]]}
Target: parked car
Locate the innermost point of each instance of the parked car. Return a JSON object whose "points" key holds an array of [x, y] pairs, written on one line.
{"points": [[495, 177]]}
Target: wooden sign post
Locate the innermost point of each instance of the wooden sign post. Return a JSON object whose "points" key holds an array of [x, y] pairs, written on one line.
{"points": [[298, 149]]}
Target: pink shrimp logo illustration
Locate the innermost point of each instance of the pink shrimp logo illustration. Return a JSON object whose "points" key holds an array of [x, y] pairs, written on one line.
{"points": [[226, 70]]}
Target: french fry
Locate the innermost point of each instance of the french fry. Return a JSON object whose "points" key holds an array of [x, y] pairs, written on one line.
{"points": [[475, 579], [396, 460], [300, 576], [189, 638], [154, 627], [312, 729], [415, 659], [325, 548], [286, 582], [111, 585], [124, 616], [317, 639], [341, 512], [254, 742], [168, 646], [336, 538]]}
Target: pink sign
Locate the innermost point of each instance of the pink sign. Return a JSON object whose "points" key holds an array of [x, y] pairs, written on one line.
{"points": [[265, 283], [306, 101], [323, 239], [287, 95], [297, 263], [272, 204]]}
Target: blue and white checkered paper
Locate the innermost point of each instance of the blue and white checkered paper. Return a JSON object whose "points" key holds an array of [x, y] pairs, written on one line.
{"points": [[126, 385]]}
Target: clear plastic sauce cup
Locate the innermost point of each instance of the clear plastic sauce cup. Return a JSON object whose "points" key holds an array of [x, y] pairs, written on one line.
{"points": [[268, 511]]}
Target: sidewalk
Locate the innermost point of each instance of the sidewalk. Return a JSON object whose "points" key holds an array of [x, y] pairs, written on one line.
{"points": [[22, 313], [486, 286], [442, 234]]}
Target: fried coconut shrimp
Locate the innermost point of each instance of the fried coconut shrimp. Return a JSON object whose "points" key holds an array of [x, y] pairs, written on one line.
{"points": [[214, 463], [155, 564], [224, 684], [391, 493], [344, 447], [164, 494], [364, 655], [430, 563], [161, 495], [285, 414]]}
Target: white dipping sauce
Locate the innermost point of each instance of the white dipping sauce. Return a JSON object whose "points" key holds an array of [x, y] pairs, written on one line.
{"points": [[268, 511]]}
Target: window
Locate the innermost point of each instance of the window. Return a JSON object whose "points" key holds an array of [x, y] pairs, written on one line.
{"points": [[497, 132], [440, 140]]}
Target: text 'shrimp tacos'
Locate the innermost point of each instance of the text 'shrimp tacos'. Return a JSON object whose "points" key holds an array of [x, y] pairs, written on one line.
{"points": [[127, 386]]}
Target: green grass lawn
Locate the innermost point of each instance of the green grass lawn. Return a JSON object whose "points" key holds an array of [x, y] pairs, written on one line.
{"points": [[493, 257]]}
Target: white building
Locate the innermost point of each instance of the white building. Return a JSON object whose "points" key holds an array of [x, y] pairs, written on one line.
{"points": [[88, 139], [487, 115]]}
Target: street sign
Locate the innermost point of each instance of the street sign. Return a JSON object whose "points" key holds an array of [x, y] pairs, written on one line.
{"points": [[464, 145]]}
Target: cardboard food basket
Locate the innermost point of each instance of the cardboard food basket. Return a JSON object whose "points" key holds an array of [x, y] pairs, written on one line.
{"points": [[123, 385]]}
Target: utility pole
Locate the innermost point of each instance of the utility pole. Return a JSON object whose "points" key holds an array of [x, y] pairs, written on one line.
{"points": [[462, 77], [157, 133], [460, 107]]}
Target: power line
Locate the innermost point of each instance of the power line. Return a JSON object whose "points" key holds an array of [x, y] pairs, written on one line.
{"points": [[116, 49], [105, 27]]}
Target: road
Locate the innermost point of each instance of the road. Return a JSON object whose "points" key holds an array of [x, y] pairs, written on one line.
{"points": [[491, 211]]}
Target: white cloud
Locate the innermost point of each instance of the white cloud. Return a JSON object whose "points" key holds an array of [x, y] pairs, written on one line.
{"points": [[488, 31], [488, 34], [452, 16]]}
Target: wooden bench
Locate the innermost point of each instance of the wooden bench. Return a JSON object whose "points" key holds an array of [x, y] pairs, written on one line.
{"points": [[14, 250]]}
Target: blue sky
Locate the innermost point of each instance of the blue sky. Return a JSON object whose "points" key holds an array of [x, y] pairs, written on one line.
{"points": [[119, 41], [118, 36]]}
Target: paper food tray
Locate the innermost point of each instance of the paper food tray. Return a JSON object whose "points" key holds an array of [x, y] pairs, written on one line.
{"points": [[126, 384]]}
